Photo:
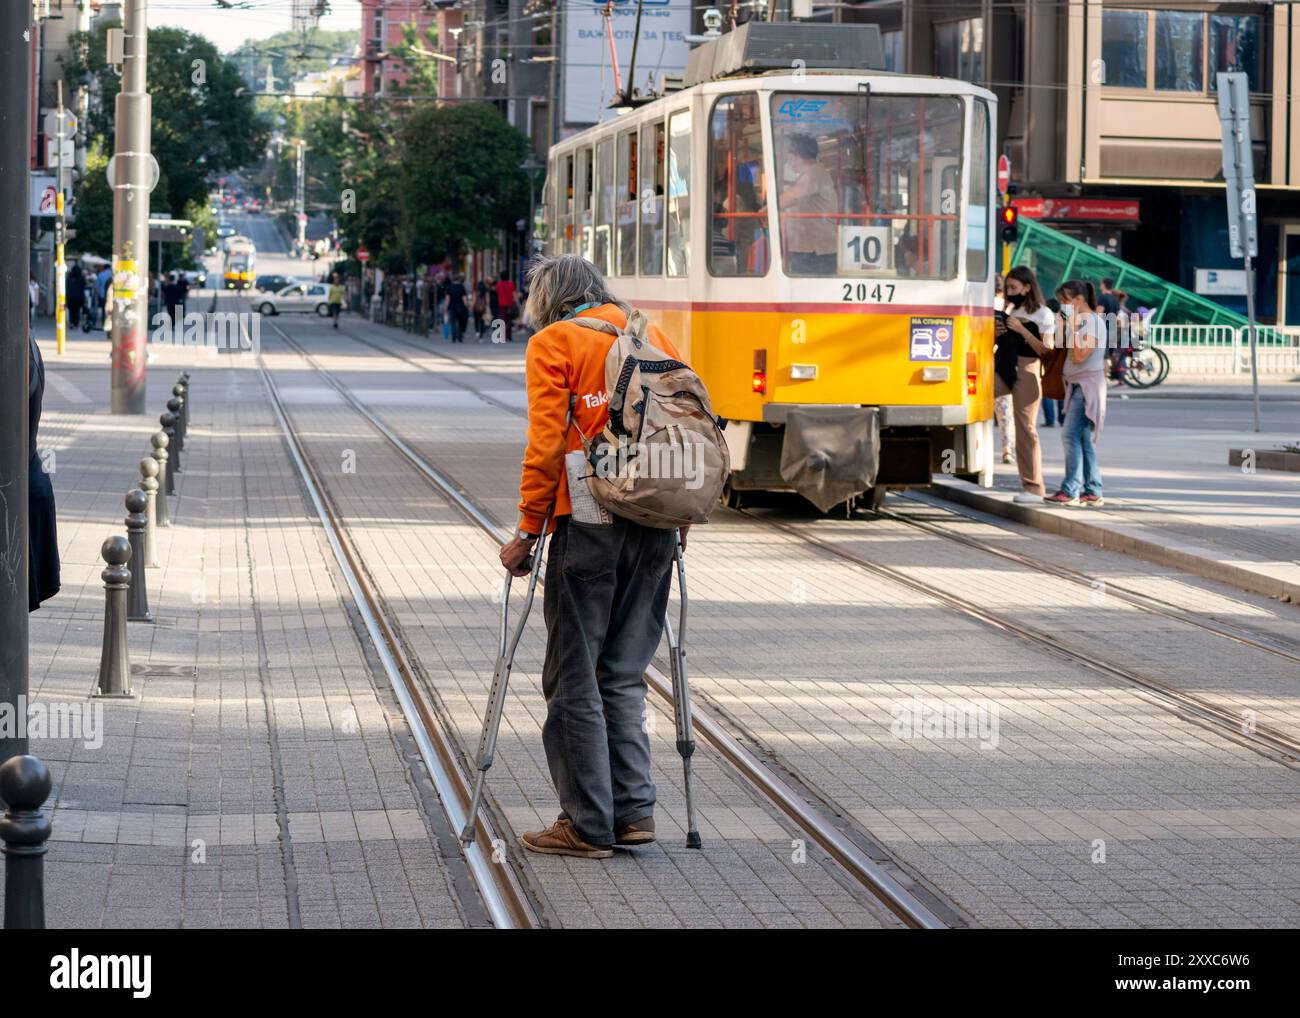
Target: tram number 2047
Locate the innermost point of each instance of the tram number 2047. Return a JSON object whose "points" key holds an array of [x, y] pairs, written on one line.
{"points": [[868, 291]]}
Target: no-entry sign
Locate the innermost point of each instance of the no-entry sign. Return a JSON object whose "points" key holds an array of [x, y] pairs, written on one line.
{"points": [[363, 255], [1004, 174]]}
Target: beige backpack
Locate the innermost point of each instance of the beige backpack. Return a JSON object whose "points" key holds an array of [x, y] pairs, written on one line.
{"points": [[661, 460]]}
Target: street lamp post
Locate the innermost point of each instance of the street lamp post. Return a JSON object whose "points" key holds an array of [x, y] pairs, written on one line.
{"points": [[132, 173], [532, 166], [15, 455]]}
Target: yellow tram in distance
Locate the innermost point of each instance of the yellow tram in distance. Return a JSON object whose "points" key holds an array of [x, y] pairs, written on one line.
{"points": [[819, 243]]}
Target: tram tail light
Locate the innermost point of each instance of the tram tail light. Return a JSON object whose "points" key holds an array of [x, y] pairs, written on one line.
{"points": [[759, 379], [972, 374]]}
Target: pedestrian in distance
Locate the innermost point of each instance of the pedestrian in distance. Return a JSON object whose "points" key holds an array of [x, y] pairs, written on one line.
{"points": [[479, 308], [457, 307], [74, 287], [1029, 327], [607, 582], [33, 299], [337, 294], [505, 291], [1085, 394], [1002, 412]]}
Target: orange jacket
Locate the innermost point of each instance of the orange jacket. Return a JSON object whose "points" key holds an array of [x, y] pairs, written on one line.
{"points": [[565, 358]]}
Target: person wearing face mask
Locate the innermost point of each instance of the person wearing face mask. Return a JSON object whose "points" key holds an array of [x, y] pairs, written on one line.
{"points": [[808, 200], [1028, 326], [1004, 364], [1085, 394]]}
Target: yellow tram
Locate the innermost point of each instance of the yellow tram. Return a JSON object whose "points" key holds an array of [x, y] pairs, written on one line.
{"points": [[818, 242]]}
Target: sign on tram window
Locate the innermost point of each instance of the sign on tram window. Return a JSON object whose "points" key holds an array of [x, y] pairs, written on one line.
{"points": [[864, 248], [931, 339]]}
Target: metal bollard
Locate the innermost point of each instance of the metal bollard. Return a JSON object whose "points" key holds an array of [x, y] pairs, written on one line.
{"points": [[174, 406], [182, 398], [114, 678], [184, 382], [24, 786], [137, 604], [149, 485], [168, 421], [159, 442]]}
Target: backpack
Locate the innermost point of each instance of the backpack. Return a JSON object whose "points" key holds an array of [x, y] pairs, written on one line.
{"points": [[661, 460]]}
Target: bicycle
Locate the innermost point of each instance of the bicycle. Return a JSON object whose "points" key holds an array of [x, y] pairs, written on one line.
{"points": [[1139, 366]]}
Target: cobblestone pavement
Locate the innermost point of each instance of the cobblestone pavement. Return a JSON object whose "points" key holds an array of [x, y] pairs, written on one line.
{"points": [[1080, 801], [260, 777]]}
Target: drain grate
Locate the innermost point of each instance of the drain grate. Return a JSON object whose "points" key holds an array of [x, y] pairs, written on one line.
{"points": [[170, 671]]}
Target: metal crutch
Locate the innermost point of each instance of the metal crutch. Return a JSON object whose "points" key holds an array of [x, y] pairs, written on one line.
{"points": [[682, 694], [506, 645]]}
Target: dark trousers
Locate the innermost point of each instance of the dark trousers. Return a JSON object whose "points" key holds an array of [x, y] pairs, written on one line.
{"points": [[606, 592]]}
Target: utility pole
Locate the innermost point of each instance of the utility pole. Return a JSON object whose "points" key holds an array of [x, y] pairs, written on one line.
{"points": [[302, 196], [15, 139], [60, 238], [132, 183]]}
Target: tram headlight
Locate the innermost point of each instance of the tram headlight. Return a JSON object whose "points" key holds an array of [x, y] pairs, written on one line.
{"points": [[803, 372]]}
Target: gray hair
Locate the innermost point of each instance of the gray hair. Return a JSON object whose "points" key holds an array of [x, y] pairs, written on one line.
{"points": [[558, 285]]}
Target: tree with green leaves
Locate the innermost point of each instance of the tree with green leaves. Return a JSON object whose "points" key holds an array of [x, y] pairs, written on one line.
{"points": [[203, 121], [460, 180]]}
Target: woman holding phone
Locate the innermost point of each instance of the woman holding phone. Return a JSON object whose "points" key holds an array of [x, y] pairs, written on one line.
{"points": [[1030, 326], [1085, 394]]}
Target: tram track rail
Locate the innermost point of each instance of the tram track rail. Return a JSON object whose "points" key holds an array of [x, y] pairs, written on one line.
{"points": [[1266, 740], [870, 868], [508, 901], [1136, 598]]}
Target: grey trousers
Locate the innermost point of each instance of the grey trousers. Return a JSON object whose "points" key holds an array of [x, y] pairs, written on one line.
{"points": [[606, 592]]}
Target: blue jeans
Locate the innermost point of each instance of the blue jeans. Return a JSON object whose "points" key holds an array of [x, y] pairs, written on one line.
{"points": [[1052, 410], [606, 591], [1082, 475]]}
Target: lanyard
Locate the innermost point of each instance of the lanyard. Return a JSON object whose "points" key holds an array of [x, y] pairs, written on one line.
{"points": [[579, 309]]}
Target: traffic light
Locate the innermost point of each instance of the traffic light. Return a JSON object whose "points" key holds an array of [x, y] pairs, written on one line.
{"points": [[1010, 224]]}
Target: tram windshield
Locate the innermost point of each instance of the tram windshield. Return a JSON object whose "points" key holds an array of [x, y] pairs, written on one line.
{"points": [[868, 184]]}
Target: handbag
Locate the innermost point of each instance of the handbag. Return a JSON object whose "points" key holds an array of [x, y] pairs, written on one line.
{"points": [[1054, 373]]}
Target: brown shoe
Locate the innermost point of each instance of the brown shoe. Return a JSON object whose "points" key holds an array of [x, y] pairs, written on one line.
{"points": [[561, 839], [638, 832]]}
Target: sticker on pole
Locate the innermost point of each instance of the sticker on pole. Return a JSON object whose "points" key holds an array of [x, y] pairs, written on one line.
{"points": [[930, 339]]}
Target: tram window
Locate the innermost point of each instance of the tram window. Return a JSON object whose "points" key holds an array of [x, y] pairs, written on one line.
{"points": [[600, 244], [679, 196], [652, 199], [870, 184], [625, 182], [977, 227], [564, 197], [583, 192], [738, 241]]}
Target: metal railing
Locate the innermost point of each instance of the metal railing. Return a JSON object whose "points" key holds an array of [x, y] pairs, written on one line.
{"points": [[1225, 349]]}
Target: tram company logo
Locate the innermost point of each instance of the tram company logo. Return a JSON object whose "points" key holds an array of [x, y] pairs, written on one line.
{"points": [[77, 971], [944, 719]]}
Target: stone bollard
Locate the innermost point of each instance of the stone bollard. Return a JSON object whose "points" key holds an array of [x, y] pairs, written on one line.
{"points": [[174, 407], [182, 398], [168, 421], [149, 485], [137, 603], [114, 678], [24, 786], [168, 487]]}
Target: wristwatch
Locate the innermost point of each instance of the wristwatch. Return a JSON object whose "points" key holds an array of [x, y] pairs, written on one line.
{"points": [[524, 535]]}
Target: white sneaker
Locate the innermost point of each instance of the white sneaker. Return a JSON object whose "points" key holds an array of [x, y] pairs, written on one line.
{"points": [[1028, 498]]}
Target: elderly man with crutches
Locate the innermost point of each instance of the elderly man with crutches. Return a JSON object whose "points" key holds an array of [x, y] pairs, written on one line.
{"points": [[612, 550]]}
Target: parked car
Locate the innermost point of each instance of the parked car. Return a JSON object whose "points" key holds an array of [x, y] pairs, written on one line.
{"points": [[197, 278], [272, 283], [298, 297]]}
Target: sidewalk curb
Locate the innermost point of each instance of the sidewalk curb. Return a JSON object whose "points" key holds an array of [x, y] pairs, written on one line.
{"points": [[1119, 537]]}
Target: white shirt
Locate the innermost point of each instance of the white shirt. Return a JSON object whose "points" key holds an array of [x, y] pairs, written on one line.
{"points": [[1043, 318]]}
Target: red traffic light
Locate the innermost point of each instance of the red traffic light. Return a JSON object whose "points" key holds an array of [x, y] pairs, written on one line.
{"points": [[1010, 215]]}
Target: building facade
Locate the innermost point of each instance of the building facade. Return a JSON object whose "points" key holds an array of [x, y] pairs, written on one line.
{"points": [[1108, 113], [383, 28]]}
